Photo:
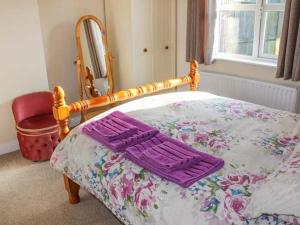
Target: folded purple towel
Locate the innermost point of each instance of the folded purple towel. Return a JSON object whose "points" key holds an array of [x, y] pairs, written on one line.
{"points": [[112, 128], [118, 131], [158, 153], [185, 175], [170, 155]]}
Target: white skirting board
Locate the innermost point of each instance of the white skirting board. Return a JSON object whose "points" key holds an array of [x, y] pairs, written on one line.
{"points": [[8, 147]]}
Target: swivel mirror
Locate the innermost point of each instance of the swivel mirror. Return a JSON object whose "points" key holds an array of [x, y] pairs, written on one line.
{"points": [[94, 62]]}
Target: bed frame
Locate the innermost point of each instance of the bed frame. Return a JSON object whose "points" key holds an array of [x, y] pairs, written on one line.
{"points": [[62, 111]]}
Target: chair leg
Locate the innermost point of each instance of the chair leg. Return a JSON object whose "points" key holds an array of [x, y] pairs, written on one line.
{"points": [[72, 189]]}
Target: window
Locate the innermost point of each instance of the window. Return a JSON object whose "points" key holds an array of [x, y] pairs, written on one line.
{"points": [[249, 29]]}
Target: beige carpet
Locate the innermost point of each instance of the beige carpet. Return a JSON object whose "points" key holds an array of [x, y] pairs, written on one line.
{"points": [[33, 193]]}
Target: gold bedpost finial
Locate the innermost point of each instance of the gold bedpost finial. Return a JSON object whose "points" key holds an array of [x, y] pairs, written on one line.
{"points": [[61, 111], [194, 74], [58, 96]]}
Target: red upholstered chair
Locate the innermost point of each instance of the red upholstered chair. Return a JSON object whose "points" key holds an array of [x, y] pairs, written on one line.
{"points": [[36, 127]]}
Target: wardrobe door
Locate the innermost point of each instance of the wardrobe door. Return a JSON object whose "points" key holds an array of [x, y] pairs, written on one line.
{"points": [[119, 34], [164, 39], [142, 41]]}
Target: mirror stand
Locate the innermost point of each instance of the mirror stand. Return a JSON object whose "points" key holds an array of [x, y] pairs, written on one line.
{"points": [[93, 61]]}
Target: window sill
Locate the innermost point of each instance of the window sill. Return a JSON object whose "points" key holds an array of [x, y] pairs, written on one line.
{"points": [[267, 63]]}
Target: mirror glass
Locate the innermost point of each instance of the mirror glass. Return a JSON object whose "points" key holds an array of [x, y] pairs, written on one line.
{"points": [[93, 53]]}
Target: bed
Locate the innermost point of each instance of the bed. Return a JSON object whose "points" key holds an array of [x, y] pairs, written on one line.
{"points": [[256, 142]]}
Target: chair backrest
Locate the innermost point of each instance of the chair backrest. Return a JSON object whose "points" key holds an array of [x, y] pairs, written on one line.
{"points": [[33, 104]]}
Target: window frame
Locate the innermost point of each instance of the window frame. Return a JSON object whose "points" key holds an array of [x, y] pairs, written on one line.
{"points": [[259, 8]]}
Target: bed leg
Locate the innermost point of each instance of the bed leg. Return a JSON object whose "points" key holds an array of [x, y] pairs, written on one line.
{"points": [[72, 189]]}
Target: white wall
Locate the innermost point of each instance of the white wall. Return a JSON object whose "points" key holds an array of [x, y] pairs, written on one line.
{"points": [[251, 71], [22, 64], [37, 43], [58, 19]]}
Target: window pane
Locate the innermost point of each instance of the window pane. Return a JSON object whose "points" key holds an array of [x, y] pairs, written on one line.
{"points": [[236, 32], [237, 1], [276, 1], [273, 29]]}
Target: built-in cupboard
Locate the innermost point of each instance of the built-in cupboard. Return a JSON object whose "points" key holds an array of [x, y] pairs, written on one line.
{"points": [[142, 38]]}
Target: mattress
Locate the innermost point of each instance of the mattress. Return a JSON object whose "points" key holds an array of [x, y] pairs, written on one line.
{"points": [[253, 140]]}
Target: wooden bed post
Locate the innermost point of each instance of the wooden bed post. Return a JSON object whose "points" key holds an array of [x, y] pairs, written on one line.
{"points": [[194, 74], [72, 189], [61, 114]]}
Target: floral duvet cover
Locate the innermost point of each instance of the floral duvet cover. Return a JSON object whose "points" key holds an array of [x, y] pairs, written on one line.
{"points": [[253, 140]]}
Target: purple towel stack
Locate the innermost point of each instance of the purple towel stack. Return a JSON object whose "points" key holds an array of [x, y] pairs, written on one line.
{"points": [[118, 131], [156, 152]]}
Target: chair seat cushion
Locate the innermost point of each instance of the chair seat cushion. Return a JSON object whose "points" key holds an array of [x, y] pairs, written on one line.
{"points": [[38, 122]]}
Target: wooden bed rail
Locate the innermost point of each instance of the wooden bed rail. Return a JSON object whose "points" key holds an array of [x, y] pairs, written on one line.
{"points": [[62, 111]]}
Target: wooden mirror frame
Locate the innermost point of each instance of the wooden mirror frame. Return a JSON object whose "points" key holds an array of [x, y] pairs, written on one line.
{"points": [[84, 78]]}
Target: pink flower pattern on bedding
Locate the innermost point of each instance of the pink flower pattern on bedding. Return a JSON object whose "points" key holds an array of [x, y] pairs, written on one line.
{"points": [[253, 140]]}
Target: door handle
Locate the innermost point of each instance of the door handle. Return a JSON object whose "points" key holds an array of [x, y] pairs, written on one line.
{"points": [[166, 47], [145, 50]]}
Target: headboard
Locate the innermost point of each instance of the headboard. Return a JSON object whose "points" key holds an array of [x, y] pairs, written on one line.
{"points": [[62, 111]]}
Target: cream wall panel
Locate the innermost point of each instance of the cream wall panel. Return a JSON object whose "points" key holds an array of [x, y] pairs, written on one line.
{"points": [[142, 14], [165, 59], [22, 61], [58, 19], [119, 30]]}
